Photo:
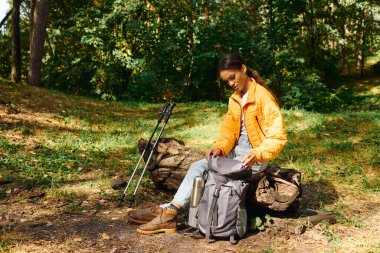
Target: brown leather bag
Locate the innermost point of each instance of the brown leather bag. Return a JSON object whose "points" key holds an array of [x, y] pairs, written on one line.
{"points": [[277, 189]]}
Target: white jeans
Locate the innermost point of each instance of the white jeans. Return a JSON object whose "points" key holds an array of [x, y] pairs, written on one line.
{"points": [[183, 195]]}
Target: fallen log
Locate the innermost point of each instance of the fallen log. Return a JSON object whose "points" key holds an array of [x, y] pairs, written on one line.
{"points": [[300, 220], [169, 162]]}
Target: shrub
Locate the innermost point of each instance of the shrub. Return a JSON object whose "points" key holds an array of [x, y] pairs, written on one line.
{"points": [[310, 93], [5, 56]]}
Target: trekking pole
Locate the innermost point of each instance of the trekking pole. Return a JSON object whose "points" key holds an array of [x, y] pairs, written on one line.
{"points": [[169, 112], [160, 117]]}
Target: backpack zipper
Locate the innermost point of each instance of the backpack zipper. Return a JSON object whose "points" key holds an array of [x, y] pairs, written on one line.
{"points": [[257, 120]]}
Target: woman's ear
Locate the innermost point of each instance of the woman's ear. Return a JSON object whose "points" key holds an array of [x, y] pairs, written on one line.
{"points": [[244, 68]]}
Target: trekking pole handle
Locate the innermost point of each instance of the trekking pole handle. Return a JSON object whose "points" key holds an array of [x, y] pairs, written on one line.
{"points": [[169, 112], [163, 111], [160, 117]]}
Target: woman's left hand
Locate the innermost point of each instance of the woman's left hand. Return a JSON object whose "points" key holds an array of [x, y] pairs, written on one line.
{"points": [[249, 160]]}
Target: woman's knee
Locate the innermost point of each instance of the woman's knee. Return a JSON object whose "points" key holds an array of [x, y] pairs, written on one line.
{"points": [[198, 167]]}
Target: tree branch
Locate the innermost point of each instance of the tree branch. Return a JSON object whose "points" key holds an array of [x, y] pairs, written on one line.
{"points": [[6, 17]]}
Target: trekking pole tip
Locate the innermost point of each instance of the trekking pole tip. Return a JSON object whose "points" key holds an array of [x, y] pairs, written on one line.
{"points": [[131, 200], [121, 200]]}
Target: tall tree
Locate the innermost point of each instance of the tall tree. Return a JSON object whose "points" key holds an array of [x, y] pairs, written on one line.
{"points": [[40, 20], [16, 51], [32, 4]]}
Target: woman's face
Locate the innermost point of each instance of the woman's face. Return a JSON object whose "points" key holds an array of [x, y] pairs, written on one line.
{"points": [[237, 79]]}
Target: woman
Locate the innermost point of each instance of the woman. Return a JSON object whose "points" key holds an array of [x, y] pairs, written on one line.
{"points": [[253, 132]]}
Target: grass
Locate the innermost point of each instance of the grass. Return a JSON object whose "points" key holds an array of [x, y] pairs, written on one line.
{"points": [[333, 238], [55, 139]]}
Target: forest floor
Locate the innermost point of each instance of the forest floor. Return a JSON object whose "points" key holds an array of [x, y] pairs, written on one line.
{"points": [[59, 154]]}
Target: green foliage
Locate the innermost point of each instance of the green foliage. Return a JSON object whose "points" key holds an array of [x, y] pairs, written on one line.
{"points": [[2, 193], [4, 247], [349, 171], [259, 223], [160, 50], [165, 50], [309, 93], [47, 168], [73, 208], [5, 56], [25, 130], [333, 238], [267, 250]]}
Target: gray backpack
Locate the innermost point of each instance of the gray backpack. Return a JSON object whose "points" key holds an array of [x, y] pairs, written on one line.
{"points": [[221, 211]]}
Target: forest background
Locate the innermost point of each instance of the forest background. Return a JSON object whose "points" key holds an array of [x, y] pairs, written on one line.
{"points": [[157, 50]]}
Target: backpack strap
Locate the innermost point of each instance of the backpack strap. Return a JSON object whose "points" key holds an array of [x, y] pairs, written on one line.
{"points": [[212, 210], [232, 240]]}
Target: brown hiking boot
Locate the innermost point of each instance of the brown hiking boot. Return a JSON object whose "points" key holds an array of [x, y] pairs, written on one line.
{"points": [[165, 222], [140, 216]]}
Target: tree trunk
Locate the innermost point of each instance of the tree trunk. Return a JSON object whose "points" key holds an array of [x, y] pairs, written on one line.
{"points": [[311, 40], [40, 20], [343, 49], [362, 54], [275, 189], [32, 6], [16, 47]]}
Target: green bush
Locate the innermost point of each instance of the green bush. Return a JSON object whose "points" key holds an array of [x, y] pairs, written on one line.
{"points": [[5, 56], [309, 93], [144, 86], [327, 65]]}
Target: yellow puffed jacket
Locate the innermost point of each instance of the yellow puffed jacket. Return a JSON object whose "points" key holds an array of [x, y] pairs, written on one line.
{"points": [[263, 121]]}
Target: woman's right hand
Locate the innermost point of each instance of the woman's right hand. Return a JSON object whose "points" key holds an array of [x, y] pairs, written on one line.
{"points": [[213, 152]]}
